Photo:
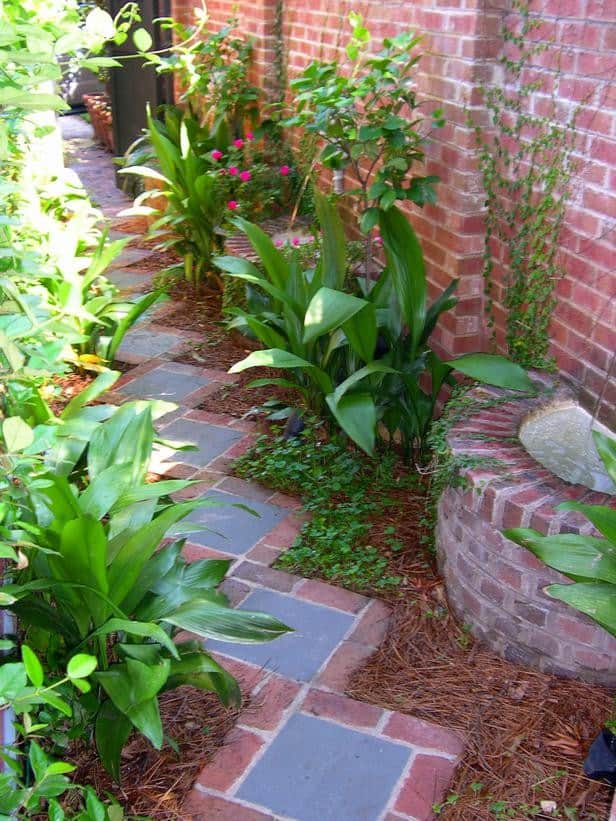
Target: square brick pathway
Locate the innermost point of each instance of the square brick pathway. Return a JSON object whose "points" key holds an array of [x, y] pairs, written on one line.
{"points": [[302, 750]]}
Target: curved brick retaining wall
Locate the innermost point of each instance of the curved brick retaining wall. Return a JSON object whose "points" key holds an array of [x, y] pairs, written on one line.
{"points": [[494, 585]]}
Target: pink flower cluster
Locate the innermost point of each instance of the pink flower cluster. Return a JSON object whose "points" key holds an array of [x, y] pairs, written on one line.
{"points": [[245, 175]]}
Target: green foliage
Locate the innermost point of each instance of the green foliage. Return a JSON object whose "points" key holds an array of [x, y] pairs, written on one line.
{"points": [[32, 780], [340, 489], [526, 166], [53, 293], [366, 113], [212, 70], [359, 358], [188, 184], [588, 560], [86, 574]]}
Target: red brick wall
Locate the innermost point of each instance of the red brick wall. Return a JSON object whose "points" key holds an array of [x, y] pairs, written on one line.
{"points": [[461, 40]]}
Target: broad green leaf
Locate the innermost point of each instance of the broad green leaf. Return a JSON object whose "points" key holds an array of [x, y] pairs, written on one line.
{"points": [[34, 669], [272, 358], [493, 370], [135, 552], [104, 491], [133, 688], [333, 243], [570, 553], [369, 219], [596, 599], [111, 733], [273, 261], [101, 384], [197, 669], [217, 622], [81, 666], [601, 516], [362, 373], [606, 448], [137, 628], [129, 319], [12, 681], [236, 265], [59, 768], [361, 332], [328, 309], [356, 415], [83, 554], [406, 263], [17, 434]]}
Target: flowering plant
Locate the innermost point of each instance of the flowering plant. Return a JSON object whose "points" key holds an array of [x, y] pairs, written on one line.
{"points": [[251, 182]]}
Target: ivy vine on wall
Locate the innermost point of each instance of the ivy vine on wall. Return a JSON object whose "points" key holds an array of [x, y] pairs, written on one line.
{"points": [[526, 164]]}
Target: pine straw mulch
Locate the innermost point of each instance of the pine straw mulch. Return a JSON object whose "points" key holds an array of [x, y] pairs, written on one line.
{"points": [[155, 783], [522, 726]]}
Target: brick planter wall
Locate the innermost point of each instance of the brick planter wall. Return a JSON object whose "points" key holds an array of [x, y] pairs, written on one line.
{"points": [[494, 585]]}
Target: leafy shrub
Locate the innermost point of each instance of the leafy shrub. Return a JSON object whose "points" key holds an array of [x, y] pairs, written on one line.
{"points": [[588, 560], [188, 183], [53, 292], [212, 71], [366, 115], [358, 358], [83, 530], [33, 780]]}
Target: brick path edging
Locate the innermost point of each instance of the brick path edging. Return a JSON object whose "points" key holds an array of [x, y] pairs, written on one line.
{"points": [[496, 586]]}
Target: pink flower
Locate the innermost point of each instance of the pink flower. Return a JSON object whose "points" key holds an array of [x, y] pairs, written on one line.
{"points": [[378, 240], [278, 243], [238, 143], [285, 170], [232, 205], [250, 136], [245, 176], [216, 154], [295, 241], [233, 170]]}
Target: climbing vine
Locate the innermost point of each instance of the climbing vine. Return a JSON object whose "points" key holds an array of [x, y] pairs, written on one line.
{"points": [[526, 164]]}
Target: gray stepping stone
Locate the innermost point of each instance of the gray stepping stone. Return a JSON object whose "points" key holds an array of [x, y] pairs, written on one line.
{"points": [[166, 382], [126, 281], [318, 771], [299, 655], [142, 343], [212, 441], [131, 256], [237, 529]]}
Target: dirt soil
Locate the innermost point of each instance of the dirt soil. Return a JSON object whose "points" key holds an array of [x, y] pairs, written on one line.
{"points": [[528, 733], [155, 783]]}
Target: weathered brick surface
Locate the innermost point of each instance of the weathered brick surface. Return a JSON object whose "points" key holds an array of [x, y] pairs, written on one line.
{"points": [[342, 709], [425, 786], [332, 596], [201, 806], [230, 762], [347, 658], [268, 705], [423, 734], [497, 586]]}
